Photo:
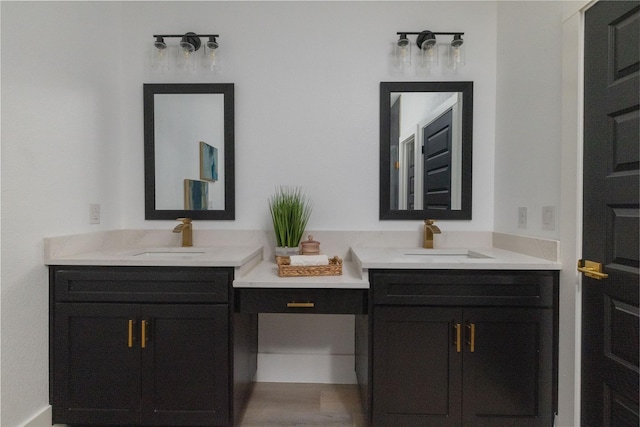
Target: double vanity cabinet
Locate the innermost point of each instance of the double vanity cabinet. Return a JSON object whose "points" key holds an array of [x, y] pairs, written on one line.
{"points": [[176, 345]]}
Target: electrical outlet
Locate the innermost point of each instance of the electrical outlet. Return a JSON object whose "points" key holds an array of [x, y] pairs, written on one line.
{"points": [[522, 217], [548, 217], [94, 213]]}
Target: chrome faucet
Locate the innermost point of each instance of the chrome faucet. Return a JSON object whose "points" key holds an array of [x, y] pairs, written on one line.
{"points": [[186, 228], [429, 231]]}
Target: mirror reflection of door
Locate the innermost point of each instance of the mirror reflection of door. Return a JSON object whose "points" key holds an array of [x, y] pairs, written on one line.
{"points": [[394, 158], [437, 162], [411, 173], [406, 171], [426, 151]]}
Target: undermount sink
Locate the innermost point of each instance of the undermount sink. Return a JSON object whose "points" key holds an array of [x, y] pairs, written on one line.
{"points": [[170, 253], [437, 253]]}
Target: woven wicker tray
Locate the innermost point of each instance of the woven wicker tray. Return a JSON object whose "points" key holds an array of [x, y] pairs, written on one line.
{"points": [[286, 270]]}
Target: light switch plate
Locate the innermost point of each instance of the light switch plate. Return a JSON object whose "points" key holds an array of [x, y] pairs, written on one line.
{"points": [[94, 213], [548, 217], [522, 217]]}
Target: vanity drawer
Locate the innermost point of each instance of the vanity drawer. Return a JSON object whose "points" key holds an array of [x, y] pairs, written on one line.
{"points": [[141, 284], [463, 287], [316, 301]]}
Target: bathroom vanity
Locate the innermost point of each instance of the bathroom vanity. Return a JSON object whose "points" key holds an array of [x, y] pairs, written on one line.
{"points": [[458, 337], [467, 347], [140, 345], [158, 337], [137, 340]]}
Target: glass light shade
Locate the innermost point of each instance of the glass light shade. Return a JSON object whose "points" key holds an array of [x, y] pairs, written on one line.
{"points": [[429, 56], [185, 60], [402, 53], [159, 57], [456, 57], [211, 57]]}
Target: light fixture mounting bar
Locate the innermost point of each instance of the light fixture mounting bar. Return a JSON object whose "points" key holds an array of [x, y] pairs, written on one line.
{"points": [[415, 33], [182, 35]]}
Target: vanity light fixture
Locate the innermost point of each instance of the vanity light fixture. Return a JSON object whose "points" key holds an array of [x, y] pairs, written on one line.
{"points": [[186, 57], [428, 47]]}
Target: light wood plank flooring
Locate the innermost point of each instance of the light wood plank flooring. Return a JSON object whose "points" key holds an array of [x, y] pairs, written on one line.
{"points": [[295, 404]]}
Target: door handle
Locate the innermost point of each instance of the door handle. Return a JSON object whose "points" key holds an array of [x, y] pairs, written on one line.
{"points": [[458, 340], [130, 338], [143, 334], [471, 342], [591, 269]]}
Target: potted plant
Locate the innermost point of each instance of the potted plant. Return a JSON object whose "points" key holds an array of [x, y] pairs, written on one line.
{"points": [[290, 210]]}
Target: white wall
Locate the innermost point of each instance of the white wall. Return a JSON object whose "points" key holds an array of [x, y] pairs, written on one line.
{"points": [[60, 123], [528, 115], [306, 76], [307, 80]]}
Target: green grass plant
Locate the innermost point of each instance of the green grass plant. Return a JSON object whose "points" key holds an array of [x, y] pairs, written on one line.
{"points": [[290, 211]]}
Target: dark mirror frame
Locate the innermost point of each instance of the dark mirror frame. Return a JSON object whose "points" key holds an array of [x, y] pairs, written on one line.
{"points": [[150, 90], [386, 89]]}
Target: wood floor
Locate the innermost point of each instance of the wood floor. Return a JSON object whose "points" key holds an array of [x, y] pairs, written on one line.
{"points": [[293, 404]]}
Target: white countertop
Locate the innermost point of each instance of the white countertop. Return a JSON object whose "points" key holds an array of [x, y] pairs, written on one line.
{"points": [[458, 259], [212, 256], [265, 275]]}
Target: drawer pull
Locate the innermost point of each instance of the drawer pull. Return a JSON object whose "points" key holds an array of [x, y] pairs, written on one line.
{"points": [[458, 342], [300, 305], [472, 337], [143, 332], [130, 339]]}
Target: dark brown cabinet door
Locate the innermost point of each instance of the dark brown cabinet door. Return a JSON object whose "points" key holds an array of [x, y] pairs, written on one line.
{"points": [[507, 367], [135, 364], [417, 368], [97, 364], [496, 371], [185, 362]]}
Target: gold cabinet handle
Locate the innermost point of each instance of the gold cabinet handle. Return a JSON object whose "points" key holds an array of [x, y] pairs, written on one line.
{"points": [[143, 334], [130, 339], [300, 305], [458, 342], [472, 337], [591, 269]]}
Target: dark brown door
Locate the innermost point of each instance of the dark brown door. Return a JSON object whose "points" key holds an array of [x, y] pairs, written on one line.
{"points": [[610, 344]]}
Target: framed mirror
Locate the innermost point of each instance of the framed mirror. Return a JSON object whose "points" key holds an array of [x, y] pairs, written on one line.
{"points": [[426, 150], [189, 151]]}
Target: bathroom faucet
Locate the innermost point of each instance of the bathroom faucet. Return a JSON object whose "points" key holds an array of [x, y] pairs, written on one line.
{"points": [[429, 231], [187, 231]]}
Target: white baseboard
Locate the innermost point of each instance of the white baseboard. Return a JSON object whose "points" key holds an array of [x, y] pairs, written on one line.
{"points": [[306, 368], [42, 419]]}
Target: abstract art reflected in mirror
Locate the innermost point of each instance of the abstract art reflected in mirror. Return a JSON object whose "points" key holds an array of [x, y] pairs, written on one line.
{"points": [[425, 150], [189, 151]]}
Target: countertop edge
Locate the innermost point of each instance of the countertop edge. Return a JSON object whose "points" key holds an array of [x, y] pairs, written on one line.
{"points": [[265, 275], [119, 258]]}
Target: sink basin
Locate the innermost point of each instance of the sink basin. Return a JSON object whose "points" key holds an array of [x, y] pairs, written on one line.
{"points": [[170, 253], [438, 253]]}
